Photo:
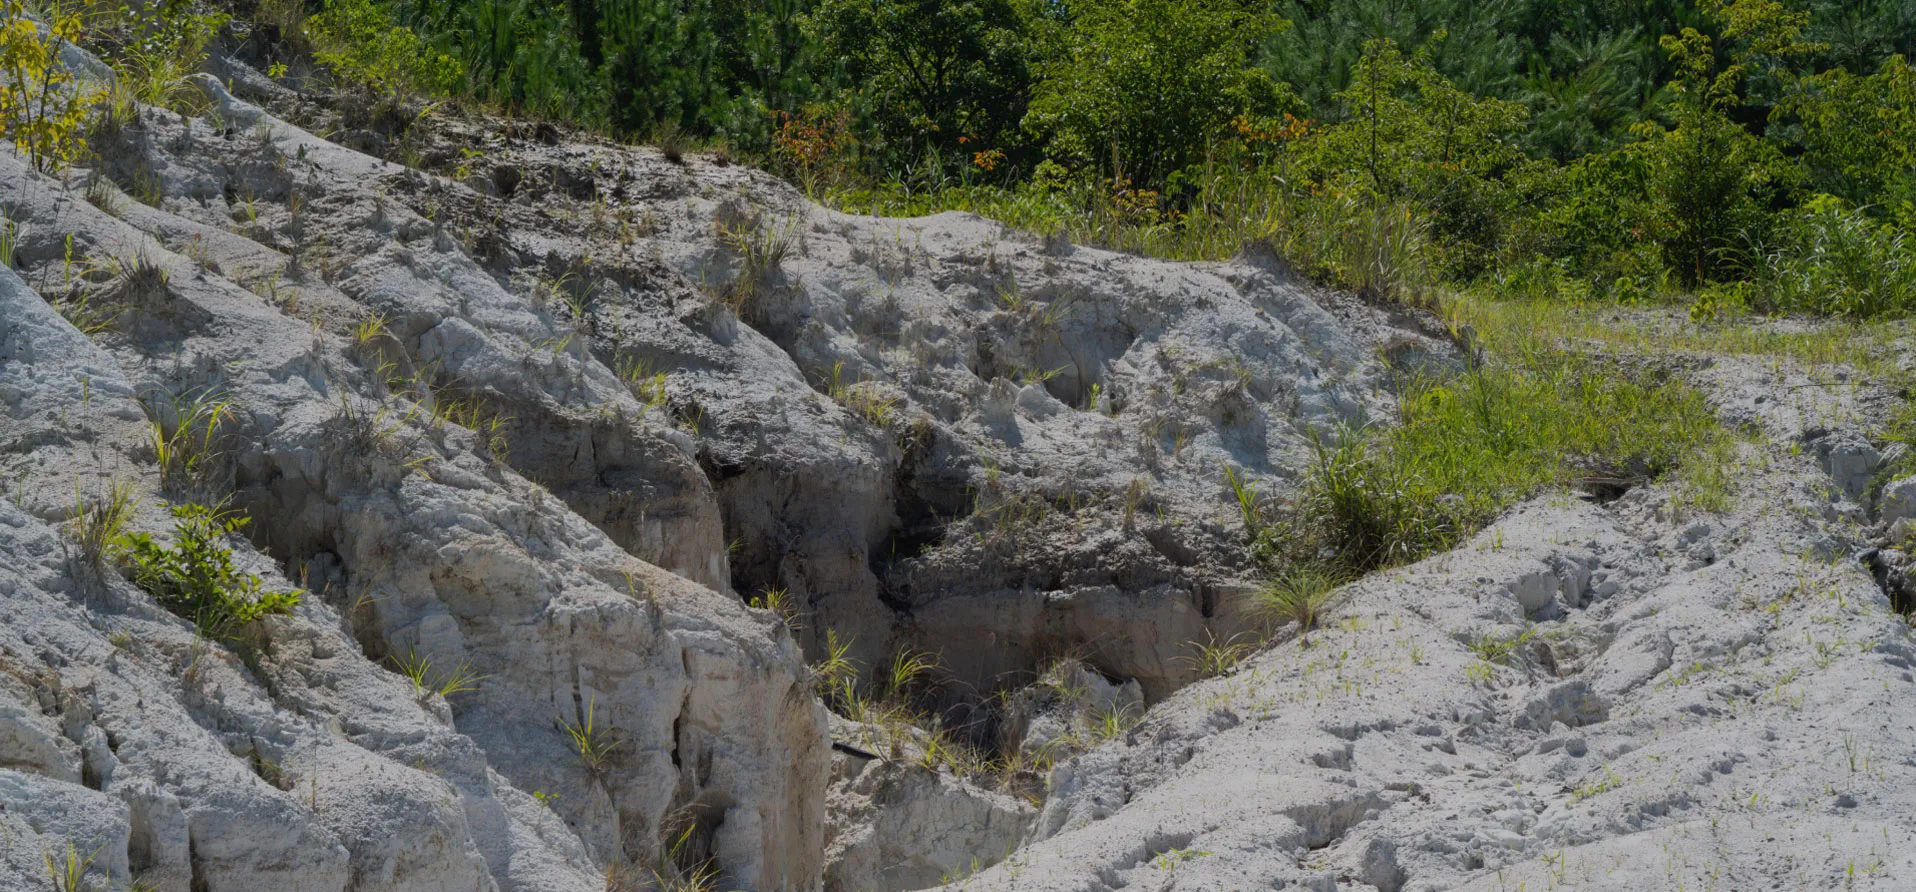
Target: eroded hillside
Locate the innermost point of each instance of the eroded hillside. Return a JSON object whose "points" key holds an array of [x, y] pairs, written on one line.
{"points": [[530, 423], [601, 473]]}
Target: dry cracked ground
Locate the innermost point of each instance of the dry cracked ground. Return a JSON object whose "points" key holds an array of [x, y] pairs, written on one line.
{"points": [[536, 420]]}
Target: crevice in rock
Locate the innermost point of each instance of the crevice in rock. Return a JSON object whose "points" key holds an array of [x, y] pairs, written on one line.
{"points": [[198, 882], [1890, 570]]}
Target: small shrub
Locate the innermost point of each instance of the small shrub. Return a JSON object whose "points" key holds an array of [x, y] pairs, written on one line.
{"points": [[360, 42], [42, 106], [153, 45], [194, 577]]}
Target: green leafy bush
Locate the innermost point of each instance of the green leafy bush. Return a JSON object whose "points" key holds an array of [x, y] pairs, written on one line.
{"points": [[951, 78], [359, 41], [194, 576], [1140, 89], [43, 107]]}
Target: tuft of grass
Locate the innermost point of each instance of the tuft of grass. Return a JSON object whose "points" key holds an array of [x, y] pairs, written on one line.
{"points": [[370, 329], [1250, 503], [863, 397], [1211, 658], [781, 604], [10, 233], [1473, 444], [140, 279], [186, 433], [672, 141], [906, 671], [87, 315], [1300, 594], [418, 669], [488, 425], [593, 742], [1110, 724], [761, 249], [99, 522], [670, 875], [834, 673], [71, 870]]}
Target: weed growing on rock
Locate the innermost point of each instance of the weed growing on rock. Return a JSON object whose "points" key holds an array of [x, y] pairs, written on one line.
{"points": [[195, 577], [90, 317], [760, 249], [646, 383], [475, 415], [1110, 724], [371, 430], [672, 875], [1211, 657], [1300, 593], [864, 398], [370, 329], [1596, 787], [1250, 504], [780, 603], [70, 870], [418, 669], [99, 522], [10, 233], [835, 673], [140, 279], [594, 743], [1500, 650], [185, 433]]}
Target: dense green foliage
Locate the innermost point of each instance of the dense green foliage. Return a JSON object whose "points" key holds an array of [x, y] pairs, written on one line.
{"points": [[1617, 150], [194, 575]]}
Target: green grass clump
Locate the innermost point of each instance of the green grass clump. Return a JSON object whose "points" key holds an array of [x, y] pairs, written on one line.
{"points": [[1470, 446], [194, 576], [1300, 593]]}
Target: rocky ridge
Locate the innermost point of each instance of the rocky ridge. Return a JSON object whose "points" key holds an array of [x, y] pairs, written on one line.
{"points": [[548, 414], [545, 423]]}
